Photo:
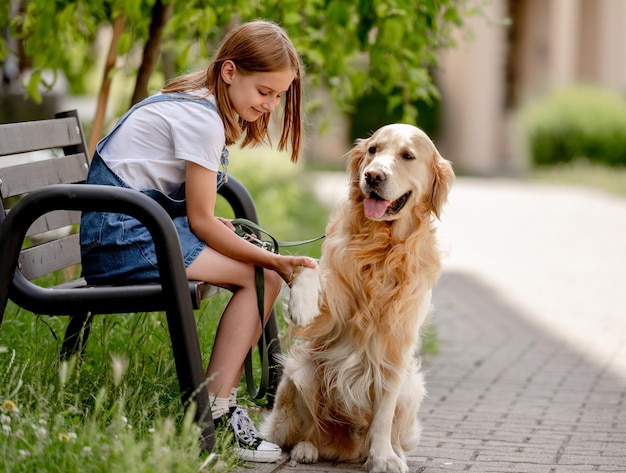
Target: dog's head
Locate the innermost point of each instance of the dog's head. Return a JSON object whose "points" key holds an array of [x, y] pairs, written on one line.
{"points": [[396, 170]]}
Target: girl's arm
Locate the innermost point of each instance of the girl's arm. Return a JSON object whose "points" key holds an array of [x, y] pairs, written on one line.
{"points": [[201, 194]]}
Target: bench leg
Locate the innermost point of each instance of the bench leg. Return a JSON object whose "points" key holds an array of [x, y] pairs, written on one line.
{"points": [[76, 335], [190, 369]]}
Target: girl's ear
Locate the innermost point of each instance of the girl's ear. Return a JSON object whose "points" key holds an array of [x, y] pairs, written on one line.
{"points": [[228, 71]]}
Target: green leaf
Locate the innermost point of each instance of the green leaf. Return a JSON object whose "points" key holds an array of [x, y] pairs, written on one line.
{"points": [[392, 32], [338, 13], [32, 88], [208, 20], [292, 18], [125, 43]]}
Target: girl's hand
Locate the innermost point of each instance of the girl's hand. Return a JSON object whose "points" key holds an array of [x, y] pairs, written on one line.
{"points": [[287, 265], [226, 222]]}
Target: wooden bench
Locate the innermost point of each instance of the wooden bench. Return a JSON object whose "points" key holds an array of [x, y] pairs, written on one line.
{"points": [[46, 194]]}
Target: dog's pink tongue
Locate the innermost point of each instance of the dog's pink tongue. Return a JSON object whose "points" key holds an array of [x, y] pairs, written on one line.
{"points": [[375, 208]]}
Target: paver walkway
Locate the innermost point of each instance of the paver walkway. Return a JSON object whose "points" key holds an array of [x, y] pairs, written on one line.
{"points": [[531, 316]]}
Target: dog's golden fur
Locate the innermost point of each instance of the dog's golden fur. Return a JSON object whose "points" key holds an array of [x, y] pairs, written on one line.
{"points": [[351, 387]]}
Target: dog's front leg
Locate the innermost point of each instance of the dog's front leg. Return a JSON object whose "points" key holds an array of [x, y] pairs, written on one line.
{"points": [[303, 306], [382, 457]]}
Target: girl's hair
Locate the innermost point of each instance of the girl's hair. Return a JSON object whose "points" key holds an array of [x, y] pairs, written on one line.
{"points": [[256, 46]]}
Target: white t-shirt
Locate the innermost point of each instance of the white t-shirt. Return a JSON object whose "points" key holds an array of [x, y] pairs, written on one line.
{"points": [[151, 148]]}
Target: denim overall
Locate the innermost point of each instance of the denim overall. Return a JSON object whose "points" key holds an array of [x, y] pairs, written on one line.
{"points": [[117, 248]]}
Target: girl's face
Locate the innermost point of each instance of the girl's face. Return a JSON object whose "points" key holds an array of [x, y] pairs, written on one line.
{"points": [[256, 94]]}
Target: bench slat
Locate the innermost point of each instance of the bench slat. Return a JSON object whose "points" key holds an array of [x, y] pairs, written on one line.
{"points": [[53, 221], [49, 257], [26, 177], [43, 134]]}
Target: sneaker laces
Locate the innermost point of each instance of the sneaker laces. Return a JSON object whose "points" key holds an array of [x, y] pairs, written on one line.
{"points": [[246, 433]]}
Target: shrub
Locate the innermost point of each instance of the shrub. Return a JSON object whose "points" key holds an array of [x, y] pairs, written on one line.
{"points": [[576, 122]]}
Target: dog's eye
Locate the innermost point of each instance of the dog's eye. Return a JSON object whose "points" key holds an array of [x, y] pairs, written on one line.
{"points": [[372, 149], [408, 156]]}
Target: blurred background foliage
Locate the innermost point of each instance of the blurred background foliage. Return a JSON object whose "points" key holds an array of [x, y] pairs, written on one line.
{"points": [[342, 44], [576, 135], [576, 123], [287, 206]]}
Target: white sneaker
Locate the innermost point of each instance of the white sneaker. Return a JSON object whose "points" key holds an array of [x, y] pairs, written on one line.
{"points": [[250, 445]]}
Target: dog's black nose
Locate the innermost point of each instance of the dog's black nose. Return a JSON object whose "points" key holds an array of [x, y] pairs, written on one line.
{"points": [[374, 176]]}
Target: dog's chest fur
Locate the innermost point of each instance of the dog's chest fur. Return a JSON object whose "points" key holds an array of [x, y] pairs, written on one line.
{"points": [[364, 338]]}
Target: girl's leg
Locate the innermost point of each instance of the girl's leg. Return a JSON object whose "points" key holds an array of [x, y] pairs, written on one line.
{"points": [[240, 327], [238, 330]]}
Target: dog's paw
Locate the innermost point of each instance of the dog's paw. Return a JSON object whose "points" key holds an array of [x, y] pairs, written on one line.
{"points": [[305, 452], [388, 464], [303, 305]]}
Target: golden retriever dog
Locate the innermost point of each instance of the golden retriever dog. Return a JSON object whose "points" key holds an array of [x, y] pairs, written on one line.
{"points": [[351, 386]]}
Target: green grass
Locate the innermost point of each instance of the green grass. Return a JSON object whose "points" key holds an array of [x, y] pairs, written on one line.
{"points": [[118, 411]]}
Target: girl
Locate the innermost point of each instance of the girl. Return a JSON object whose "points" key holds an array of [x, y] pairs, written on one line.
{"points": [[171, 146]]}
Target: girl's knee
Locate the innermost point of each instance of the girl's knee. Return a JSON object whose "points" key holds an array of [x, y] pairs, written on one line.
{"points": [[273, 281]]}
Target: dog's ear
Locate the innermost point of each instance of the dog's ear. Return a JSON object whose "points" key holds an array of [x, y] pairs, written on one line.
{"points": [[442, 181], [355, 158]]}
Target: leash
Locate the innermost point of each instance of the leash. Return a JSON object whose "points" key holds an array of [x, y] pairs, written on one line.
{"points": [[259, 393], [248, 230], [252, 232]]}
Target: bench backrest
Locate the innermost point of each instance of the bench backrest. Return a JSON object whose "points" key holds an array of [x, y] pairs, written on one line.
{"points": [[34, 155]]}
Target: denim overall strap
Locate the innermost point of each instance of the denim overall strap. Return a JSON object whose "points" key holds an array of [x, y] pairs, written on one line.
{"points": [[222, 176]]}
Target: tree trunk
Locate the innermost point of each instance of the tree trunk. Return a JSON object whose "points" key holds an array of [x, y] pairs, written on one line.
{"points": [[105, 88], [160, 14]]}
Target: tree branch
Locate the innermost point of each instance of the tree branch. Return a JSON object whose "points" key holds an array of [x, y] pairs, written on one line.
{"points": [[103, 95], [160, 14]]}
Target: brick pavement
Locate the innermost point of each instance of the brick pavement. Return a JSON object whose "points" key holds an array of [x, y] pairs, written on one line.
{"points": [[530, 313]]}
